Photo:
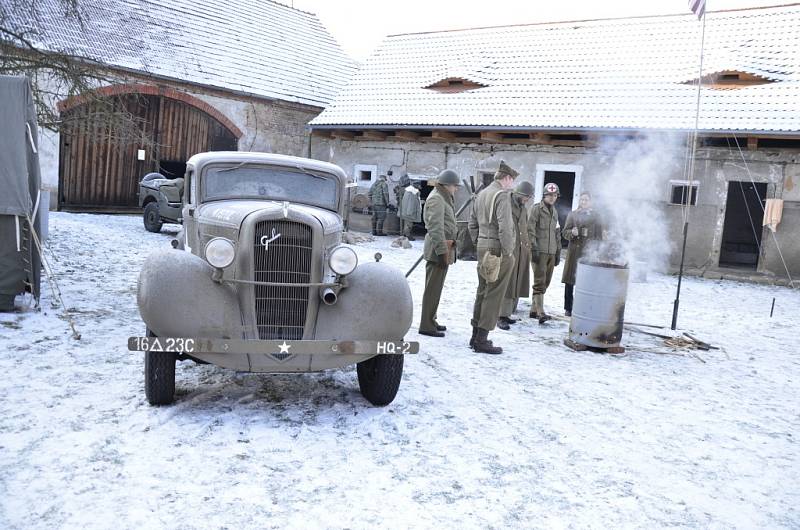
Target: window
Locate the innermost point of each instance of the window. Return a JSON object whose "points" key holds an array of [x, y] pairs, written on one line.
{"points": [[455, 84], [270, 183], [681, 191], [365, 174], [730, 79]]}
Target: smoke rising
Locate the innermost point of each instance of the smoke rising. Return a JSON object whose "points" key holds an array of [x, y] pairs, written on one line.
{"points": [[629, 194]]}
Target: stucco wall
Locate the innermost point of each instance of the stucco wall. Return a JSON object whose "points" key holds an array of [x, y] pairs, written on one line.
{"points": [[715, 167]]}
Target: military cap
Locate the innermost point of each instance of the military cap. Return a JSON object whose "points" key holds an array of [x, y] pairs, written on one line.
{"points": [[504, 170], [524, 188], [448, 176]]}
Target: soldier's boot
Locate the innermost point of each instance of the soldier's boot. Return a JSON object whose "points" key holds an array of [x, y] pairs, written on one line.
{"points": [[536, 308], [484, 345], [503, 323], [543, 317], [374, 226], [380, 228], [472, 339]]}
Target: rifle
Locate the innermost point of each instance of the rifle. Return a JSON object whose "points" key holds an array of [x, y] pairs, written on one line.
{"points": [[475, 192]]}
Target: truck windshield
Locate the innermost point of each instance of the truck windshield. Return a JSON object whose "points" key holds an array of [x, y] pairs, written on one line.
{"points": [[246, 181]]}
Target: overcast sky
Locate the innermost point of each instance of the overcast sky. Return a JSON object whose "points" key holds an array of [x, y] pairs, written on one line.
{"points": [[360, 25]]}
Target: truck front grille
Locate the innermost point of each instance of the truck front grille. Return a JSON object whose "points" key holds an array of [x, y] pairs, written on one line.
{"points": [[281, 311]]}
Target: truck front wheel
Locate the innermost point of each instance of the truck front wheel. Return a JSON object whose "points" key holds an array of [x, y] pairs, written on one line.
{"points": [[152, 219], [379, 378], [159, 376]]}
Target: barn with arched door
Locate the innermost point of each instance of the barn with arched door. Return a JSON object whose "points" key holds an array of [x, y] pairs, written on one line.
{"points": [[102, 160]]}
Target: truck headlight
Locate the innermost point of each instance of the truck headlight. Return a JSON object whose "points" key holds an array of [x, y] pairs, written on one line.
{"points": [[219, 252], [343, 260]]}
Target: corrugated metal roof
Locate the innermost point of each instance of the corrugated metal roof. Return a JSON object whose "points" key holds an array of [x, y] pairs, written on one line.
{"points": [[618, 73], [255, 47]]}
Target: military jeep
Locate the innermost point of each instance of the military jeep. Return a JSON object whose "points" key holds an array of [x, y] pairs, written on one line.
{"points": [[259, 280], [161, 198]]}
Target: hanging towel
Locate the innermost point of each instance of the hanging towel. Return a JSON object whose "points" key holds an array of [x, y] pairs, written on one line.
{"points": [[773, 211]]}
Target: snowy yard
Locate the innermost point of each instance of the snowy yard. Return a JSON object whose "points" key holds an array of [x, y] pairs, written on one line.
{"points": [[540, 436]]}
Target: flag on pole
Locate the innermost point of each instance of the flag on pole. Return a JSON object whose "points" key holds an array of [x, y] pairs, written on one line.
{"points": [[698, 7]]}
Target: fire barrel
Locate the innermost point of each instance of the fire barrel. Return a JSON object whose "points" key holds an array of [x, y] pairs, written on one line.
{"points": [[598, 309]]}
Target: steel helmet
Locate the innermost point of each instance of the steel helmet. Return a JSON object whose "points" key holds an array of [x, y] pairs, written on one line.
{"points": [[524, 188], [551, 188], [448, 177]]}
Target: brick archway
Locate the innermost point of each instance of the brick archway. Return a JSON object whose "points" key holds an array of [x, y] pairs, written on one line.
{"points": [[152, 90]]}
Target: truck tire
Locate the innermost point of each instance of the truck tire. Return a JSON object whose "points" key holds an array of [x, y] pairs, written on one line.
{"points": [[152, 219], [159, 376], [379, 378]]}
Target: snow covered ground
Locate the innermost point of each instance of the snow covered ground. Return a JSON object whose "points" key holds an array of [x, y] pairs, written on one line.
{"points": [[540, 436]]}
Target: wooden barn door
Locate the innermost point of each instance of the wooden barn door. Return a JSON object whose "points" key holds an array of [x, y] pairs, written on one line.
{"points": [[99, 163]]}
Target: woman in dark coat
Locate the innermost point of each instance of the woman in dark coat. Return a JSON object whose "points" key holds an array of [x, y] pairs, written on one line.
{"points": [[582, 225]]}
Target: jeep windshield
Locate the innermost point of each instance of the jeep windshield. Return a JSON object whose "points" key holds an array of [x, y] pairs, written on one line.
{"points": [[249, 180]]}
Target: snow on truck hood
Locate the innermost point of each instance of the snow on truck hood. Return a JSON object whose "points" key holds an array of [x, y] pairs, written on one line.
{"points": [[231, 213]]}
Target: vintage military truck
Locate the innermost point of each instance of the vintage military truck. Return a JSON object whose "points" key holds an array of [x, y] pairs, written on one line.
{"points": [[259, 280], [161, 198]]}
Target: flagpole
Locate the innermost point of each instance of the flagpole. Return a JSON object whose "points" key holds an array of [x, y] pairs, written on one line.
{"points": [[690, 192]]}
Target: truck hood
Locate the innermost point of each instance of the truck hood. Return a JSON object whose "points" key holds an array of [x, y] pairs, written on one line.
{"points": [[230, 214]]}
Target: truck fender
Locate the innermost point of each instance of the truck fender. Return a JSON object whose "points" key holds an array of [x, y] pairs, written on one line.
{"points": [[375, 305], [178, 298]]}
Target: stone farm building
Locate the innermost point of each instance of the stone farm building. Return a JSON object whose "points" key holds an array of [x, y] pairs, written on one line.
{"points": [[550, 99], [206, 75]]}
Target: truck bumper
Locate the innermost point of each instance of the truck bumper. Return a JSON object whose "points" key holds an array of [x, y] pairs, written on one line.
{"points": [[271, 355]]}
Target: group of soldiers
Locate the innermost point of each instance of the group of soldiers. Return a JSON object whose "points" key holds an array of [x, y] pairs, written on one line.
{"points": [[407, 204], [508, 237]]}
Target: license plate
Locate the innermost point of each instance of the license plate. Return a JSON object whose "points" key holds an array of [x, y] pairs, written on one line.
{"points": [[191, 345]]}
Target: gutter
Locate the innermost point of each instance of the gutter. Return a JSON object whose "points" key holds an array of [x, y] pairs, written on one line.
{"points": [[574, 130]]}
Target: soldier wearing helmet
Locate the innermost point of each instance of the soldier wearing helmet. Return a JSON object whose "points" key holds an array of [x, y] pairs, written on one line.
{"points": [[545, 236], [379, 196], [520, 274], [439, 251], [491, 226]]}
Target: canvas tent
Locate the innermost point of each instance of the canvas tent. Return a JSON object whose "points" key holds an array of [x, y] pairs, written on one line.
{"points": [[20, 199]]}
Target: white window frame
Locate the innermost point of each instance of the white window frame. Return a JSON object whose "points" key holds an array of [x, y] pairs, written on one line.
{"points": [[577, 186], [358, 168], [693, 183]]}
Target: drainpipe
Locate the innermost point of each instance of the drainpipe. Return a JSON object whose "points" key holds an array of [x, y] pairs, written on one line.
{"points": [[445, 156]]}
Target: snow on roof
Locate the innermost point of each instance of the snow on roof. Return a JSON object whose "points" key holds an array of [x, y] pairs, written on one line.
{"points": [[617, 73], [255, 47]]}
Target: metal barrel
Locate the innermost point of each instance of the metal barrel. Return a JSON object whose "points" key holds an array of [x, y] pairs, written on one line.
{"points": [[598, 310]]}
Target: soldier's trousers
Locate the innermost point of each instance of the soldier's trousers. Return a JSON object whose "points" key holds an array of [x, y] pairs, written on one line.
{"points": [[489, 296], [378, 217], [569, 290], [434, 282], [542, 272], [406, 227], [508, 306]]}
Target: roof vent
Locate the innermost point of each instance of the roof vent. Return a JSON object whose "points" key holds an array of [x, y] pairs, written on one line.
{"points": [[731, 79], [455, 84]]}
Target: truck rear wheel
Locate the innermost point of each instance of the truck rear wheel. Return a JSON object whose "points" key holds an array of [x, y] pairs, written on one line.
{"points": [[152, 219], [379, 378], [159, 376]]}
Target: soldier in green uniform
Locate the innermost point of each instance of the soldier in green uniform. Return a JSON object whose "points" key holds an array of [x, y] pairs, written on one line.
{"points": [[379, 196], [410, 210], [491, 226], [545, 237], [581, 226], [520, 274], [439, 250]]}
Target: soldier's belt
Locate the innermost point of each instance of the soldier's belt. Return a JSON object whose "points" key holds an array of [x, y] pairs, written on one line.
{"points": [[190, 345]]}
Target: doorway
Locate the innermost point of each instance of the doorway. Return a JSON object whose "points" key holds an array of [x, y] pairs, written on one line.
{"points": [[172, 169], [741, 233]]}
